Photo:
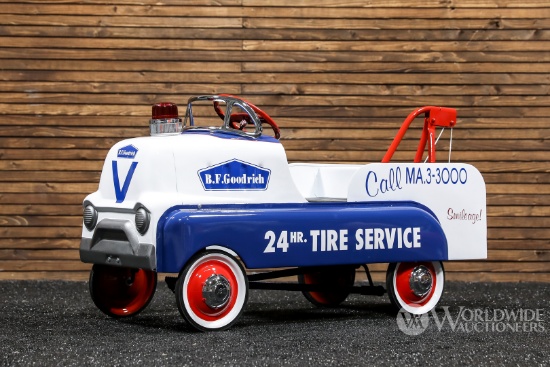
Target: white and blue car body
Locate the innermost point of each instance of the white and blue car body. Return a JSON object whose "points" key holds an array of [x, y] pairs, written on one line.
{"points": [[208, 203]]}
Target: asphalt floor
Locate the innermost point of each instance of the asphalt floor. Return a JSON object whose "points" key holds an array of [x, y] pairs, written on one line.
{"points": [[55, 323]]}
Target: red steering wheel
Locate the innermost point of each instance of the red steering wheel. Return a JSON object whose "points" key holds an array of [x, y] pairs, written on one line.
{"points": [[237, 118]]}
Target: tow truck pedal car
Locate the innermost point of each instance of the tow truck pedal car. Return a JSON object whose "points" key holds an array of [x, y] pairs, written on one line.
{"points": [[209, 203]]}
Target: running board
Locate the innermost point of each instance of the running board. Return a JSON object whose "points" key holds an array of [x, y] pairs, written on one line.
{"points": [[366, 290]]}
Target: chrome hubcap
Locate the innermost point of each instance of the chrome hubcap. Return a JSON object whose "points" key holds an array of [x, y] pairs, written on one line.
{"points": [[421, 281], [216, 291]]}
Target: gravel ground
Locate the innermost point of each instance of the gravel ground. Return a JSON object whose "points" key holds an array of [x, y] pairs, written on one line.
{"points": [[54, 323]]}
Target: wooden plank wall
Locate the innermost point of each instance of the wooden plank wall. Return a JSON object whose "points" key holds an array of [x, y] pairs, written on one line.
{"points": [[338, 76]]}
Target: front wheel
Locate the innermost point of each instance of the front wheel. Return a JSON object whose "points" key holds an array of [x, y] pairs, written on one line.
{"points": [[121, 292], [212, 291], [415, 287]]}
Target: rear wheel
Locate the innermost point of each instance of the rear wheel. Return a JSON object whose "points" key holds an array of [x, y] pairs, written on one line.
{"points": [[121, 292], [415, 287], [212, 291], [339, 279]]}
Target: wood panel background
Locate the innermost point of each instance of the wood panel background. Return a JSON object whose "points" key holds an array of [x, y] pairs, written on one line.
{"points": [[338, 76]]}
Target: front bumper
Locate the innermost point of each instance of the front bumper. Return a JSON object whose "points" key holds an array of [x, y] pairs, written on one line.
{"points": [[116, 242]]}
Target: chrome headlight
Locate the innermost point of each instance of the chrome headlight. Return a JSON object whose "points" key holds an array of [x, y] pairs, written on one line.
{"points": [[142, 220], [90, 217]]}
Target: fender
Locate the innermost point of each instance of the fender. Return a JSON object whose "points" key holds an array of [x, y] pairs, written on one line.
{"points": [[454, 192], [313, 234]]}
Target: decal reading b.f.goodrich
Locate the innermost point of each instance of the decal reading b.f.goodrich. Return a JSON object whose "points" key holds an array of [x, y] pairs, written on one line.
{"points": [[129, 151], [234, 175]]}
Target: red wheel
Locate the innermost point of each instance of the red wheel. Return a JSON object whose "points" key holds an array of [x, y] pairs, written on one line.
{"points": [[415, 287], [331, 277], [211, 291], [237, 117], [121, 292]]}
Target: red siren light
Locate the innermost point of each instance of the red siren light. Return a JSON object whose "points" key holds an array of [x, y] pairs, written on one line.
{"points": [[164, 110], [165, 119]]}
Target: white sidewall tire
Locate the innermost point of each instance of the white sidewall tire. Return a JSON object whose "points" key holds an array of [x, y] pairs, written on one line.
{"points": [[182, 286], [434, 299]]}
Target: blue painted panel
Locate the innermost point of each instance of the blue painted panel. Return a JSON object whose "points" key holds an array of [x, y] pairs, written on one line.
{"points": [[312, 234]]}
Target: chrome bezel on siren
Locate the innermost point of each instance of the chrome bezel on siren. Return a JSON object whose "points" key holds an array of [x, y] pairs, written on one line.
{"points": [[170, 126]]}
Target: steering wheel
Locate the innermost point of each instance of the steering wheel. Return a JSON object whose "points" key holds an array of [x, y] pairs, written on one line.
{"points": [[238, 120]]}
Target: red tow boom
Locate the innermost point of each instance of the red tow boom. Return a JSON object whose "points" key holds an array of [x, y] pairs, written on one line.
{"points": [[433, 116]]}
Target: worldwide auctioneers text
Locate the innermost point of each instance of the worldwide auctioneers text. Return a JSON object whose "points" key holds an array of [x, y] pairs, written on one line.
{"points": [[477, 320]]}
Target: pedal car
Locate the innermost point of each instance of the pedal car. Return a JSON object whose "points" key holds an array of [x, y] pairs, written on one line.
{"points": [[206, 203]]}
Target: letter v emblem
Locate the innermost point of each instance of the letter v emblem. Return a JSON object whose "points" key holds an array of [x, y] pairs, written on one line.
{"points": [[120, 193]]}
